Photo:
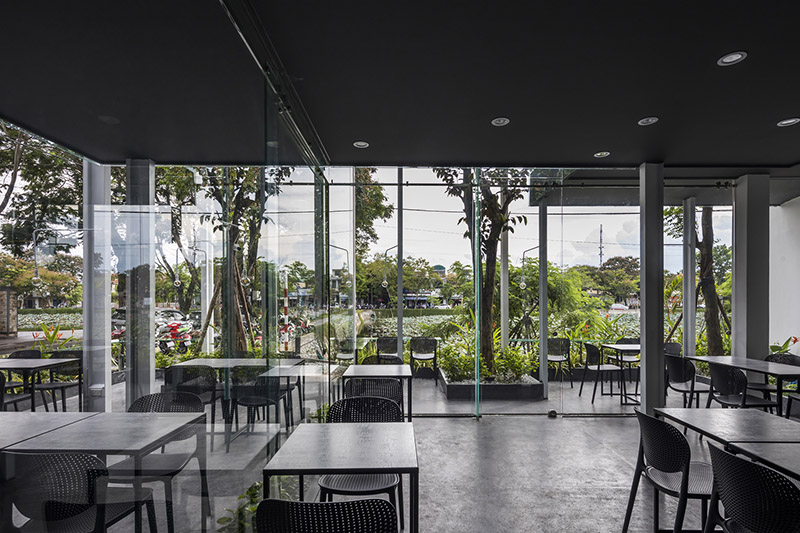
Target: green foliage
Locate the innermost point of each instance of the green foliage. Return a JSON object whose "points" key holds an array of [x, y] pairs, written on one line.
{"points": [[51, 339], [240, 519], [54, 311], [512, 364], [784, 347]]}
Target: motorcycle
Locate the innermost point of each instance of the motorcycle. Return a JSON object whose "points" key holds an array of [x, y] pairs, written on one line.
{"points": [[176, 335]]}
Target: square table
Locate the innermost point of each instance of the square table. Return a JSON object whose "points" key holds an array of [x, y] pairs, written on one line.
{"points": [[32, 366], [780, 371], [382, 371], [734, 425], [131, 434], [621, 349], [374, 448], [781, 456]]}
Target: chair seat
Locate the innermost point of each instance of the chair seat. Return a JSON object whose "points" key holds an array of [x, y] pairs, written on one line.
{"points": [[762, 387], [604, 368], [424, 356], [628, 359], [731, 526], [13, 385], [56, 385], [701, 480], [15, 398], [556, 358], [686, 386], [750, 401], [253, 401], [345, 356], [119, 502], [359, 483], [154, 465]]}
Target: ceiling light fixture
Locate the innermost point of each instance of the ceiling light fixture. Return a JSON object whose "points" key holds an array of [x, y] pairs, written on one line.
{"points": [[647, 121], [731, 59], [600, 155], [361, 144], [500, 121], [788, 122]]}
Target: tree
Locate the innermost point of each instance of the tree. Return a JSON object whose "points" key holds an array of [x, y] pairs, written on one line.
{"points": [[371, 205]]}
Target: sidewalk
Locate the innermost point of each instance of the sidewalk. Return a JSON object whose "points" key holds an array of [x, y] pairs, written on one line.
{"points": [[24, 340]]}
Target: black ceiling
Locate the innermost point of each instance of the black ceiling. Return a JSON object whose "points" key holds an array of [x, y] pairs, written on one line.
{"points": [[420, 81]]}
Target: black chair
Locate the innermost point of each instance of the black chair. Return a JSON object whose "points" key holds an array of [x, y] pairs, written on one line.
{"points": [[390, 388], [681, 378], [21, 354], [424, 349], [64, 377], [360, 410], [558, 352], [253, 391], [765, 387], [729, 389], [10, 399], [358, 516], [70, 492], [628, 360], [347, 350], [594, 362], [756, 499], [163, 466], [665, 460], [381, 360], [386, 349]]}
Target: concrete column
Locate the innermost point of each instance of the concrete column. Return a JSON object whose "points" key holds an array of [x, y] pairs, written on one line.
{"points": [[400, 261], [205, 259], [689, 274], [96, 287], [651, 220], [543, 332], [141, 303], [750, 326], [504, 285]]}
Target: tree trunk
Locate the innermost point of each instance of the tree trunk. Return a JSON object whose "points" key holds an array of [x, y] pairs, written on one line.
{"points": [[706, 246], [487, 304]]}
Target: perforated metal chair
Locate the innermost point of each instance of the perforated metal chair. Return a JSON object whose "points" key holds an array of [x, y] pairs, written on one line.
{"points": [[424, 349], [358, 516], [386, 348], [558, 352], [163, 466], [347, 350], [21, 354], [756, 499], [69, 492], [765, 387], [665, 460], [594, 362], [729, 389], [63, 378], [10, 399], [390, 388], [681, 378], [364, 409], [253, 391]]}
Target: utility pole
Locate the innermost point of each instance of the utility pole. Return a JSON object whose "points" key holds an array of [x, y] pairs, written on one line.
{"points": [[601, 245]]}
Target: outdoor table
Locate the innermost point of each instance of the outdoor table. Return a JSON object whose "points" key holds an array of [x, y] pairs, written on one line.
{"points": [[780, 371], [781, 456], [130, 434], [734, 425], [31, 366], [625, 349], [381, 371], [374, 448]]}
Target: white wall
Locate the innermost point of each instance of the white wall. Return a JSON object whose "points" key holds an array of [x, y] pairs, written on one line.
{"points": [[784, 272]]}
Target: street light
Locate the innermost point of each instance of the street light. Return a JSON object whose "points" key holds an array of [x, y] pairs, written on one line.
{"points": [[385, 283], [522, 284]]}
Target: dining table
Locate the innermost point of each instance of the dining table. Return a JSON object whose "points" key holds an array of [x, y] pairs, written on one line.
{"points": [[402, 372], [29, 367], [727, 426]]}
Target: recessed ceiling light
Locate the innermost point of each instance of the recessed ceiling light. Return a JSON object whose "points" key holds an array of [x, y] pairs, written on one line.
{"points": [[731, 59], [500, 121], [788, 122], [361, 144], [600, 155], [647, 121]]}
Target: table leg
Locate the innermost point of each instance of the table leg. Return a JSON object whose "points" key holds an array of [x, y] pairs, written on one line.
{"points": [[266, 486], [779, 394], [410, 398], [302, 488], [414, 502], [137, 490], [205, 505], [27, 385]]}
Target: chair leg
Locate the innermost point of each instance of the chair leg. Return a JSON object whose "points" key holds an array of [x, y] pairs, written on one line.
{"points": [[44, 401], [596, 378], [151, 515], [63, 400], [789, 407], [637, 475], [400, 506], [168, 502], [393, 500], [679, 514], [655, 510], [583, 379]]}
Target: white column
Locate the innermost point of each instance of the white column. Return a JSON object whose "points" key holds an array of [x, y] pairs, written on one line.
{"points": [[750, 326], [543, 301], [96, 287], [205, 253], [689, 274], [651, 220]]}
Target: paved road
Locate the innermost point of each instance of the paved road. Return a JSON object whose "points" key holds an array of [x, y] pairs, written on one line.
{"points": [[25, 340]]}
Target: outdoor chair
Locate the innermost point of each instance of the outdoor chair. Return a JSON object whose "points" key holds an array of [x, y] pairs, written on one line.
{"points": [[628, 360], [729, 389], [673, 348], [382, 360], [364, 409], [10, 399], [357, 516], [386, 348], [594, 362], [756, 499], [558, 352], [765, 387], [665, 460], [253, 391], [163, 466], [21, 354], [69, 492], [424, 349], [63, 378], [390, 388], [681, 377], [347, 350]]}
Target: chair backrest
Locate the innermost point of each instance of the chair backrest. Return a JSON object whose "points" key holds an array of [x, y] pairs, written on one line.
{"points": [[783, 358], [664, 446], [69, 369], [423, 344], [356, 516], [672, 348], [248, 382], [727, 380], [593, 355], [629, 340], [386, 345], [346, 345], [679, 370], [364, 409], [371, 360], [558, 346], [195, 379], [754, 496], [390, 359], [25, 354], [390, 388], [59, 486], [170, 402]]}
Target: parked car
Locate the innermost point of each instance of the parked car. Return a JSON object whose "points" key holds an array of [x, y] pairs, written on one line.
{"points": [[619, 307]]}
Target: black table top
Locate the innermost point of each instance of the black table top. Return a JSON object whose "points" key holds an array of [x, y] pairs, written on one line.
{"points": [[781, 456], [17, 427], [221, 363], [753, 365], [33, 364], [347, 448], [378, 371], [735, 425], [308, 370], [111, 433]]}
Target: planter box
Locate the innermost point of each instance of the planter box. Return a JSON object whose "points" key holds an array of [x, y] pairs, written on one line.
{"points": [[491, 391]]}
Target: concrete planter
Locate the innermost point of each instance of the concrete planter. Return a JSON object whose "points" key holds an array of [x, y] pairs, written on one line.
{"points": [[490, 391]]}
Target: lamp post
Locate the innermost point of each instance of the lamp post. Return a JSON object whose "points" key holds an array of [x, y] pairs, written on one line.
{"points": [[522, 284]]}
